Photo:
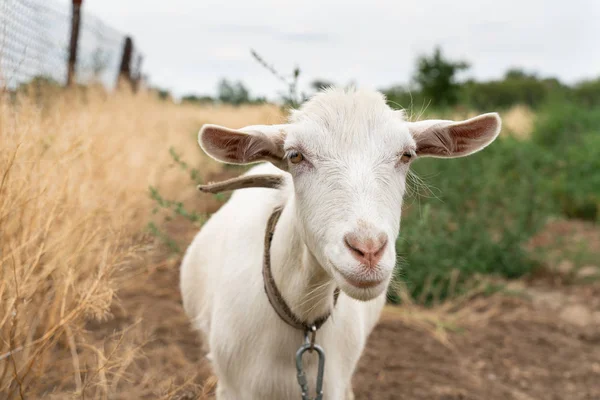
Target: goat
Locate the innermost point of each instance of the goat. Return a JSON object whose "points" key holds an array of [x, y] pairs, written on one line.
{"points": [[342, 161]]}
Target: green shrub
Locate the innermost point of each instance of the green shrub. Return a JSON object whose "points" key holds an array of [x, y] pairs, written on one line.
{"points": [[576, 182], [562, 124], [166, 210], [570, 136], [587, 93], [479, 212], [516, 87]]}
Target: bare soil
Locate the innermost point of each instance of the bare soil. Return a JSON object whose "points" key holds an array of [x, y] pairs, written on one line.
{"points": [[511, 349], [502, 347], [498, 347], [538, 339]]}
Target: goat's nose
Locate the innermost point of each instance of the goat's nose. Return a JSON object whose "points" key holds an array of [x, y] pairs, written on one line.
{"points": [[366, 249]]}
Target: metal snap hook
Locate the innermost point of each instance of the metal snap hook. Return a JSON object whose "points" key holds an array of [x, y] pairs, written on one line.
{"points": [[310, 346]]}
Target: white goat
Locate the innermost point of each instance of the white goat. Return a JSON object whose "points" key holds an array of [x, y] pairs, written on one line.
{"points": [[344, 157]]}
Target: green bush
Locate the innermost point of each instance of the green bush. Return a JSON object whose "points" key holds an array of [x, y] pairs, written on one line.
{"points": [[587, 93], [563, 123], [474, 218], [505, 93], [479, 210], [576, 179], [570, 136]]}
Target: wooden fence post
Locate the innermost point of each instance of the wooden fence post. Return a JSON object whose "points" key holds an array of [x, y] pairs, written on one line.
{"points": [[125, 68], [75, 22]]}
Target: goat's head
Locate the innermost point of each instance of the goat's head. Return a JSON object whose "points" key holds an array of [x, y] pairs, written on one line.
{"points": [[349, 154]]}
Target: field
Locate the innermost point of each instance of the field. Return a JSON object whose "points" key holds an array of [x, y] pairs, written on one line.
{"points": [[97, 200]]}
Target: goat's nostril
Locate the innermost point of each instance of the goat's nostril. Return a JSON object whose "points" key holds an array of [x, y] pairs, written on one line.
{"points": [[367, 250], [353, 247]]}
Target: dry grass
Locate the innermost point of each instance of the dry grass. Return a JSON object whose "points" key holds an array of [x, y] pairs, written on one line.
{"points": [[517, 121], [74, 204]]}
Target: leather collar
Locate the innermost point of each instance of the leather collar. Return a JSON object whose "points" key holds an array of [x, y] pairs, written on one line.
{"points": [[274, 295]]}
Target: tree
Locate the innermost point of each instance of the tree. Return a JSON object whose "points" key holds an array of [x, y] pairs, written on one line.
{"points": [[198, 99], [518, 73], [233, 93], [436, 77]]}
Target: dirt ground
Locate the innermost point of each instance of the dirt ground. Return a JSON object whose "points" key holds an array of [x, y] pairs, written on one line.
{"points": [[510, 349], [538, 338], [501, 347]]}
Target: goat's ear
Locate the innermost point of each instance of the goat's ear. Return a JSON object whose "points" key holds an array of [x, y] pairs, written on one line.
{"points": [[449, 139], [251, 144]]}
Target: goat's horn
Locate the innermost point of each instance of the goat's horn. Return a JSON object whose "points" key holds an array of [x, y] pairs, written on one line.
{"points": [[243, 182]]}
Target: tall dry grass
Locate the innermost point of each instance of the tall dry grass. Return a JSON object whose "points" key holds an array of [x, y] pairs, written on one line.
{"points": [[74, 175]]}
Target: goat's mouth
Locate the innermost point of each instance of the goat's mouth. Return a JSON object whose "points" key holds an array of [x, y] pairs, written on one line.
{"points": [[355, 283], [362, 284]]}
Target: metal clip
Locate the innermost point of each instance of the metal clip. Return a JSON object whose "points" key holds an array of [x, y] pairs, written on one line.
{"points": [[309, 345]]}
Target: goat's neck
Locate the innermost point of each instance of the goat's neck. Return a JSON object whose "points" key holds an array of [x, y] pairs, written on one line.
{"points": [[302, 281]]}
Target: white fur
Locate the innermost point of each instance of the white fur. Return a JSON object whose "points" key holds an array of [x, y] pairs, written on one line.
{"points": [[352, 181]]}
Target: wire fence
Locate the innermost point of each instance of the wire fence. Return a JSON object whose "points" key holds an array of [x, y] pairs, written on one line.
{"points": [[34, 45]]}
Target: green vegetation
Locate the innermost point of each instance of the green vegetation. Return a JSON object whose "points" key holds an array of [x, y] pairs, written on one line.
{"points": [[472, 217], [170, 209], [476, 213], [516, 87], [435, 84], [228, 92], [197, 99], [569, 133]]}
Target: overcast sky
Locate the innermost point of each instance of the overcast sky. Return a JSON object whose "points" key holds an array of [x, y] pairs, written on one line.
{"points": [[190, 44]]}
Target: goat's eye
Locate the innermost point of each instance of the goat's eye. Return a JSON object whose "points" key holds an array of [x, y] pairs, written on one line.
{"points": [[406, 157], [295, 157]]}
